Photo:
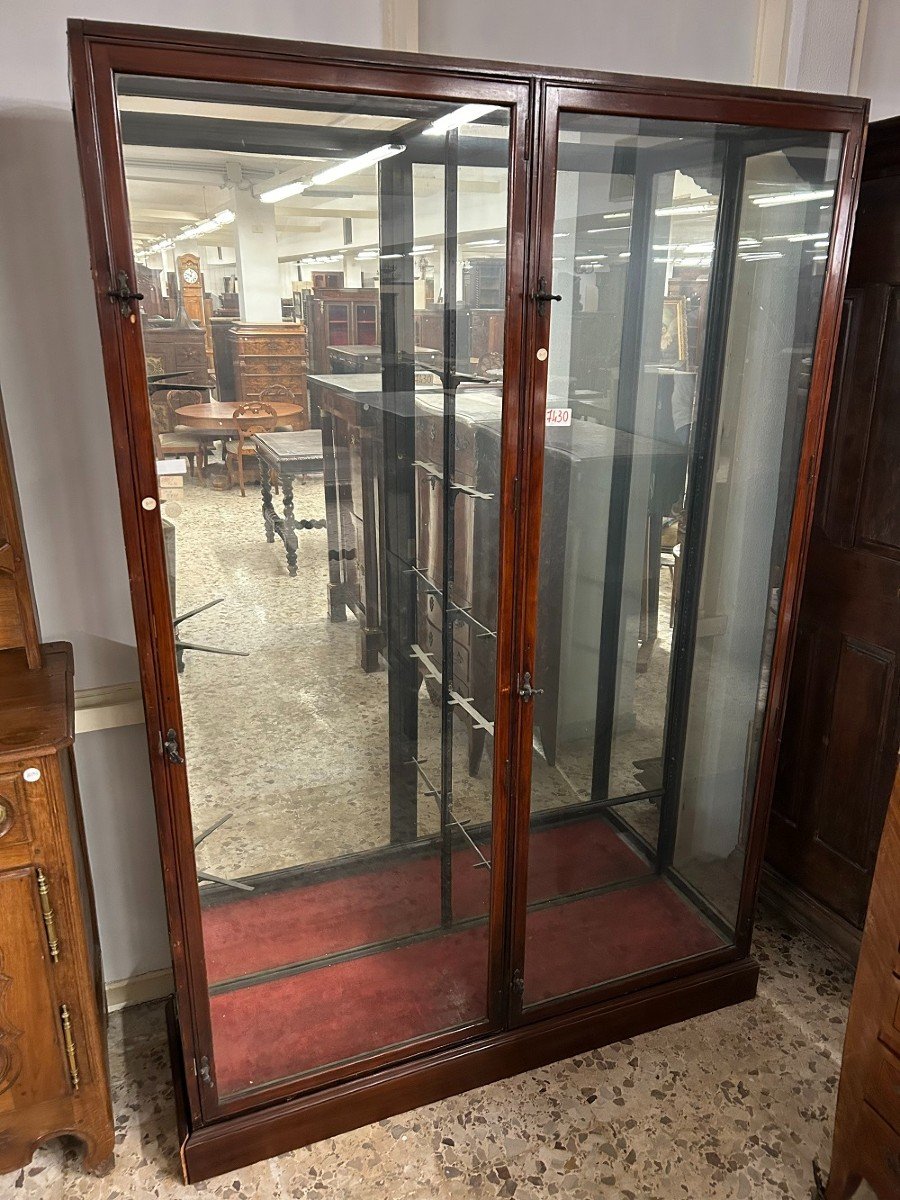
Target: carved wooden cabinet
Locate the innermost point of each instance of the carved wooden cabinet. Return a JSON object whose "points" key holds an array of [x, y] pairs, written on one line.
{"points": [[53, 1068], [267, 357], [867, 1126], [180, 349]]}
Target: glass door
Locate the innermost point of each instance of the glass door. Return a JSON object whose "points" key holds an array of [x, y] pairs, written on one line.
{"points": [[683, 265], [333, 548]]}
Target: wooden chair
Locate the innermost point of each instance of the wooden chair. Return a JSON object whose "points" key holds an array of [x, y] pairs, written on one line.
{"points": [[252, 418], [278, 393], [181, 443]]}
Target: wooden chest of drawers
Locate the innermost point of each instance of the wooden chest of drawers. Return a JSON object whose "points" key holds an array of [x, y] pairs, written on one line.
{"points": [[267, 356], [181, 350], [867, 1125], [53, 1068]]}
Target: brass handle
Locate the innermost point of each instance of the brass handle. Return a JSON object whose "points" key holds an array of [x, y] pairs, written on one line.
{"points": [[48, 914], [69, 1040]]}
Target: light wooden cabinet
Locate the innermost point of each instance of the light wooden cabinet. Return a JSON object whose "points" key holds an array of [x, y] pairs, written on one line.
{"points": [[53, 1068]]}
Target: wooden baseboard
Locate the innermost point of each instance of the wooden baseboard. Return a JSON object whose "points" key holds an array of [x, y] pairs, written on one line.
{"points": [[139, 989], [233, 1142], [810, 915], [108, 707]]}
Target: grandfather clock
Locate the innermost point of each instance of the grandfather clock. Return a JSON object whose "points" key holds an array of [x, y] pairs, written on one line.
{"points": [[190, 285]]}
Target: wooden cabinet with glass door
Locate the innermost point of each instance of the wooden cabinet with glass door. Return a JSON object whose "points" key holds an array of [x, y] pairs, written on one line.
{"points": [[385, 914]]}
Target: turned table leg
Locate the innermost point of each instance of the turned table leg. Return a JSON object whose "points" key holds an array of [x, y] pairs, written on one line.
{"points": [[288, 527], [268, 508]]}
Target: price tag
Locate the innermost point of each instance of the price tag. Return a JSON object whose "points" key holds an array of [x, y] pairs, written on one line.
{"points": [[558, 417]]}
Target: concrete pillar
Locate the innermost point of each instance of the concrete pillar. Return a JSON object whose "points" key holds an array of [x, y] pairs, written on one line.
{"points": [[256, 258]]}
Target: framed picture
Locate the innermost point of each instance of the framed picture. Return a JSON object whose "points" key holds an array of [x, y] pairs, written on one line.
{"points": [[673, 341]]}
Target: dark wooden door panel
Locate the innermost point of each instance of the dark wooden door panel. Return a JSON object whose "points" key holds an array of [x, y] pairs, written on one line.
{"points": [[878, 527], [842, 721], [860, 715]]}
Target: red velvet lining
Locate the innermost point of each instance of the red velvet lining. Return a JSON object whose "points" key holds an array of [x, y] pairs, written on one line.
{"points": [[298, 1023], [255, 933]]}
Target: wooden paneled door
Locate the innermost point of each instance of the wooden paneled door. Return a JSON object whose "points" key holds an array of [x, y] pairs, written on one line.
{"points": [[842, 723]]}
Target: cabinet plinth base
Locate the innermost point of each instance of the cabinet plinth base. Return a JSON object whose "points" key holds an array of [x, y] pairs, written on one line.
{"points": [[237, 1141]]}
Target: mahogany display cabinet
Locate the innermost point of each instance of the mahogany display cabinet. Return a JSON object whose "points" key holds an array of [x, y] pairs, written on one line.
{"points": [[530, 820]]}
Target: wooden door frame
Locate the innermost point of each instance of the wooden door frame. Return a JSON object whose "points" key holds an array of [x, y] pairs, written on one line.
{"points": [[218, 1136]]}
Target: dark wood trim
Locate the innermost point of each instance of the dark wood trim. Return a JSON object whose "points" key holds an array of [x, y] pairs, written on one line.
{"points": [[231, 1144], [799, 908], [196, 42]]}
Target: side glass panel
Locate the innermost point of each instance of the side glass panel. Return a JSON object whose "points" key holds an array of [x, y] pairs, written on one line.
{"points": [[326, 418], [689, 259]]}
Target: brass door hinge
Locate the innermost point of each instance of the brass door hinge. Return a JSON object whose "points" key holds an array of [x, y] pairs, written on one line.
{"points": [[48, 914], [69, 1041]]}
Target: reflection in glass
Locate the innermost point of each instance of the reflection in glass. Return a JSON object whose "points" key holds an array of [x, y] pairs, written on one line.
{"points": [[324, 285], [689, 259]]}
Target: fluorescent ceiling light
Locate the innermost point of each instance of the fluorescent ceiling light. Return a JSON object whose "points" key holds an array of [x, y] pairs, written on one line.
{"points": [[486, 242], [210, 225], [679, 210], [625, 254], [820, 258], [560, 235], [330, 174], [273, 195], [589, 257], [460, 116], [422, 249], [822, 245], [615, 216], [774, 199], [762, 256]]}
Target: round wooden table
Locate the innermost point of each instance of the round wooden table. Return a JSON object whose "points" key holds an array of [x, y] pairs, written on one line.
{"points": [[218, 416]]}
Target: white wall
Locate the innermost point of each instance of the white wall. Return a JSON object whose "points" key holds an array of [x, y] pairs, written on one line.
{"points": [[53, 391], [879, 75], [698, 39]]}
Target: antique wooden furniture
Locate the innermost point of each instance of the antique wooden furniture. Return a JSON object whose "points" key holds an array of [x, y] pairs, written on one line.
{"points": [[339, 316], [867, 1124], [357, 360], [181, 348], [282, 458], [223, 363], [53, 1069], [220, 417], [264, 355], [842, 723], [249, 419], [179, 443], [410, 928]]}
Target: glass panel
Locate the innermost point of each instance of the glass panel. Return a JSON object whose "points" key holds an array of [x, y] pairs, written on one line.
{"points": [[331, 518], [662, 290]]}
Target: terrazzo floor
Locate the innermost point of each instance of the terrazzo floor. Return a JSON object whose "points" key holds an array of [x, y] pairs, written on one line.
{"points": [[299, 723], [731, 1106]]}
